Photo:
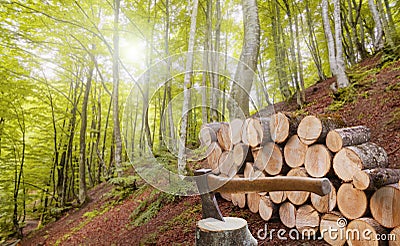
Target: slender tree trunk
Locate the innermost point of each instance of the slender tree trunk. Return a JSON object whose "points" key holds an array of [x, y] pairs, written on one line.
{"points": [[386, 28], [342, 80], [329, 37], [378, 43], [299, 61], [186, 91], [247, 66], [82, 139], [115, 94], [215, 64]]}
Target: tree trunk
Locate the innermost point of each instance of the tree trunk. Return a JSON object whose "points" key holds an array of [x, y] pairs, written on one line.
{"points": [[82, 139], [378, 43], [329, 37], [186, 91], [244, 76], [352, 203], [341, 77], [385, 204], [339, 138], [115, 94]]}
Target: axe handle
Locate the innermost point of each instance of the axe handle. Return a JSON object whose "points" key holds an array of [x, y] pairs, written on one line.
{"points": [[319, 186]]}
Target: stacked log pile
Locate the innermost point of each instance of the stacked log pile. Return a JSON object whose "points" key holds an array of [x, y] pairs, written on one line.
{"points": [[365, 193]]}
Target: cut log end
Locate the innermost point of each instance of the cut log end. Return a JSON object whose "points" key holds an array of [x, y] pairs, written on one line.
{"points": [[329, 223], [307, 220], [295, 152], [309, 129], [279, 127], [356, 232], [352, 203], [211, 231], [317, 161], [385, 206], [287, 214]]}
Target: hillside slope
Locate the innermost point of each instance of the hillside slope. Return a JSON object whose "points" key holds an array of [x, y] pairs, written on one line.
{"points": [[372, 100]]}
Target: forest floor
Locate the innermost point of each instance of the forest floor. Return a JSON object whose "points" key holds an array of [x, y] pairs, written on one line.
{"points": [[373, 100]]}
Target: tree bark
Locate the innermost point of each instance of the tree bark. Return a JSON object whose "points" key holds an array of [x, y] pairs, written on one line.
{"points": [[329, 37], [244, 76], [378, 43], [339, 138], [341, 77], [115, 94], [373, 179], [186, 91]]}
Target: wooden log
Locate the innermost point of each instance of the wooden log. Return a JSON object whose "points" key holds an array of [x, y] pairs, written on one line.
{"points": [[339, 138], [287, 214], [208, 133], [295, 152], [351, 159], [352, 203], [226, 164], [267, 209], [236, 127], [307, 220], [332, 231], [244, 131], [283, 126], [313, 129], [324, 204], [256, 131], [373, 179], [395, 237], [213, 157], [241, 154], [253, 201], [298, 197], [318, 160], [385, 206], [269, 158], [365, 232], [239, 199], [224, 136], [212, 232], [226, 196], [277, 197]]}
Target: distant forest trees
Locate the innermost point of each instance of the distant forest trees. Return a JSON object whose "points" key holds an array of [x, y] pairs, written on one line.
{"points": [[68, 67]]}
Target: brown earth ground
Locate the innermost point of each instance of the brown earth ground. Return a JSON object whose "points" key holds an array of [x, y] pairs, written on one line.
{"points": [[376, 104]]}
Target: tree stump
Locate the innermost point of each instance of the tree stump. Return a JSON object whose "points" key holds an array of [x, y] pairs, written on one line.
{"points": [[232, 231]]}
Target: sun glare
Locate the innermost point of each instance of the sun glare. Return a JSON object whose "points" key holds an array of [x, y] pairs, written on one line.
{"points": [[133, 51]]}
